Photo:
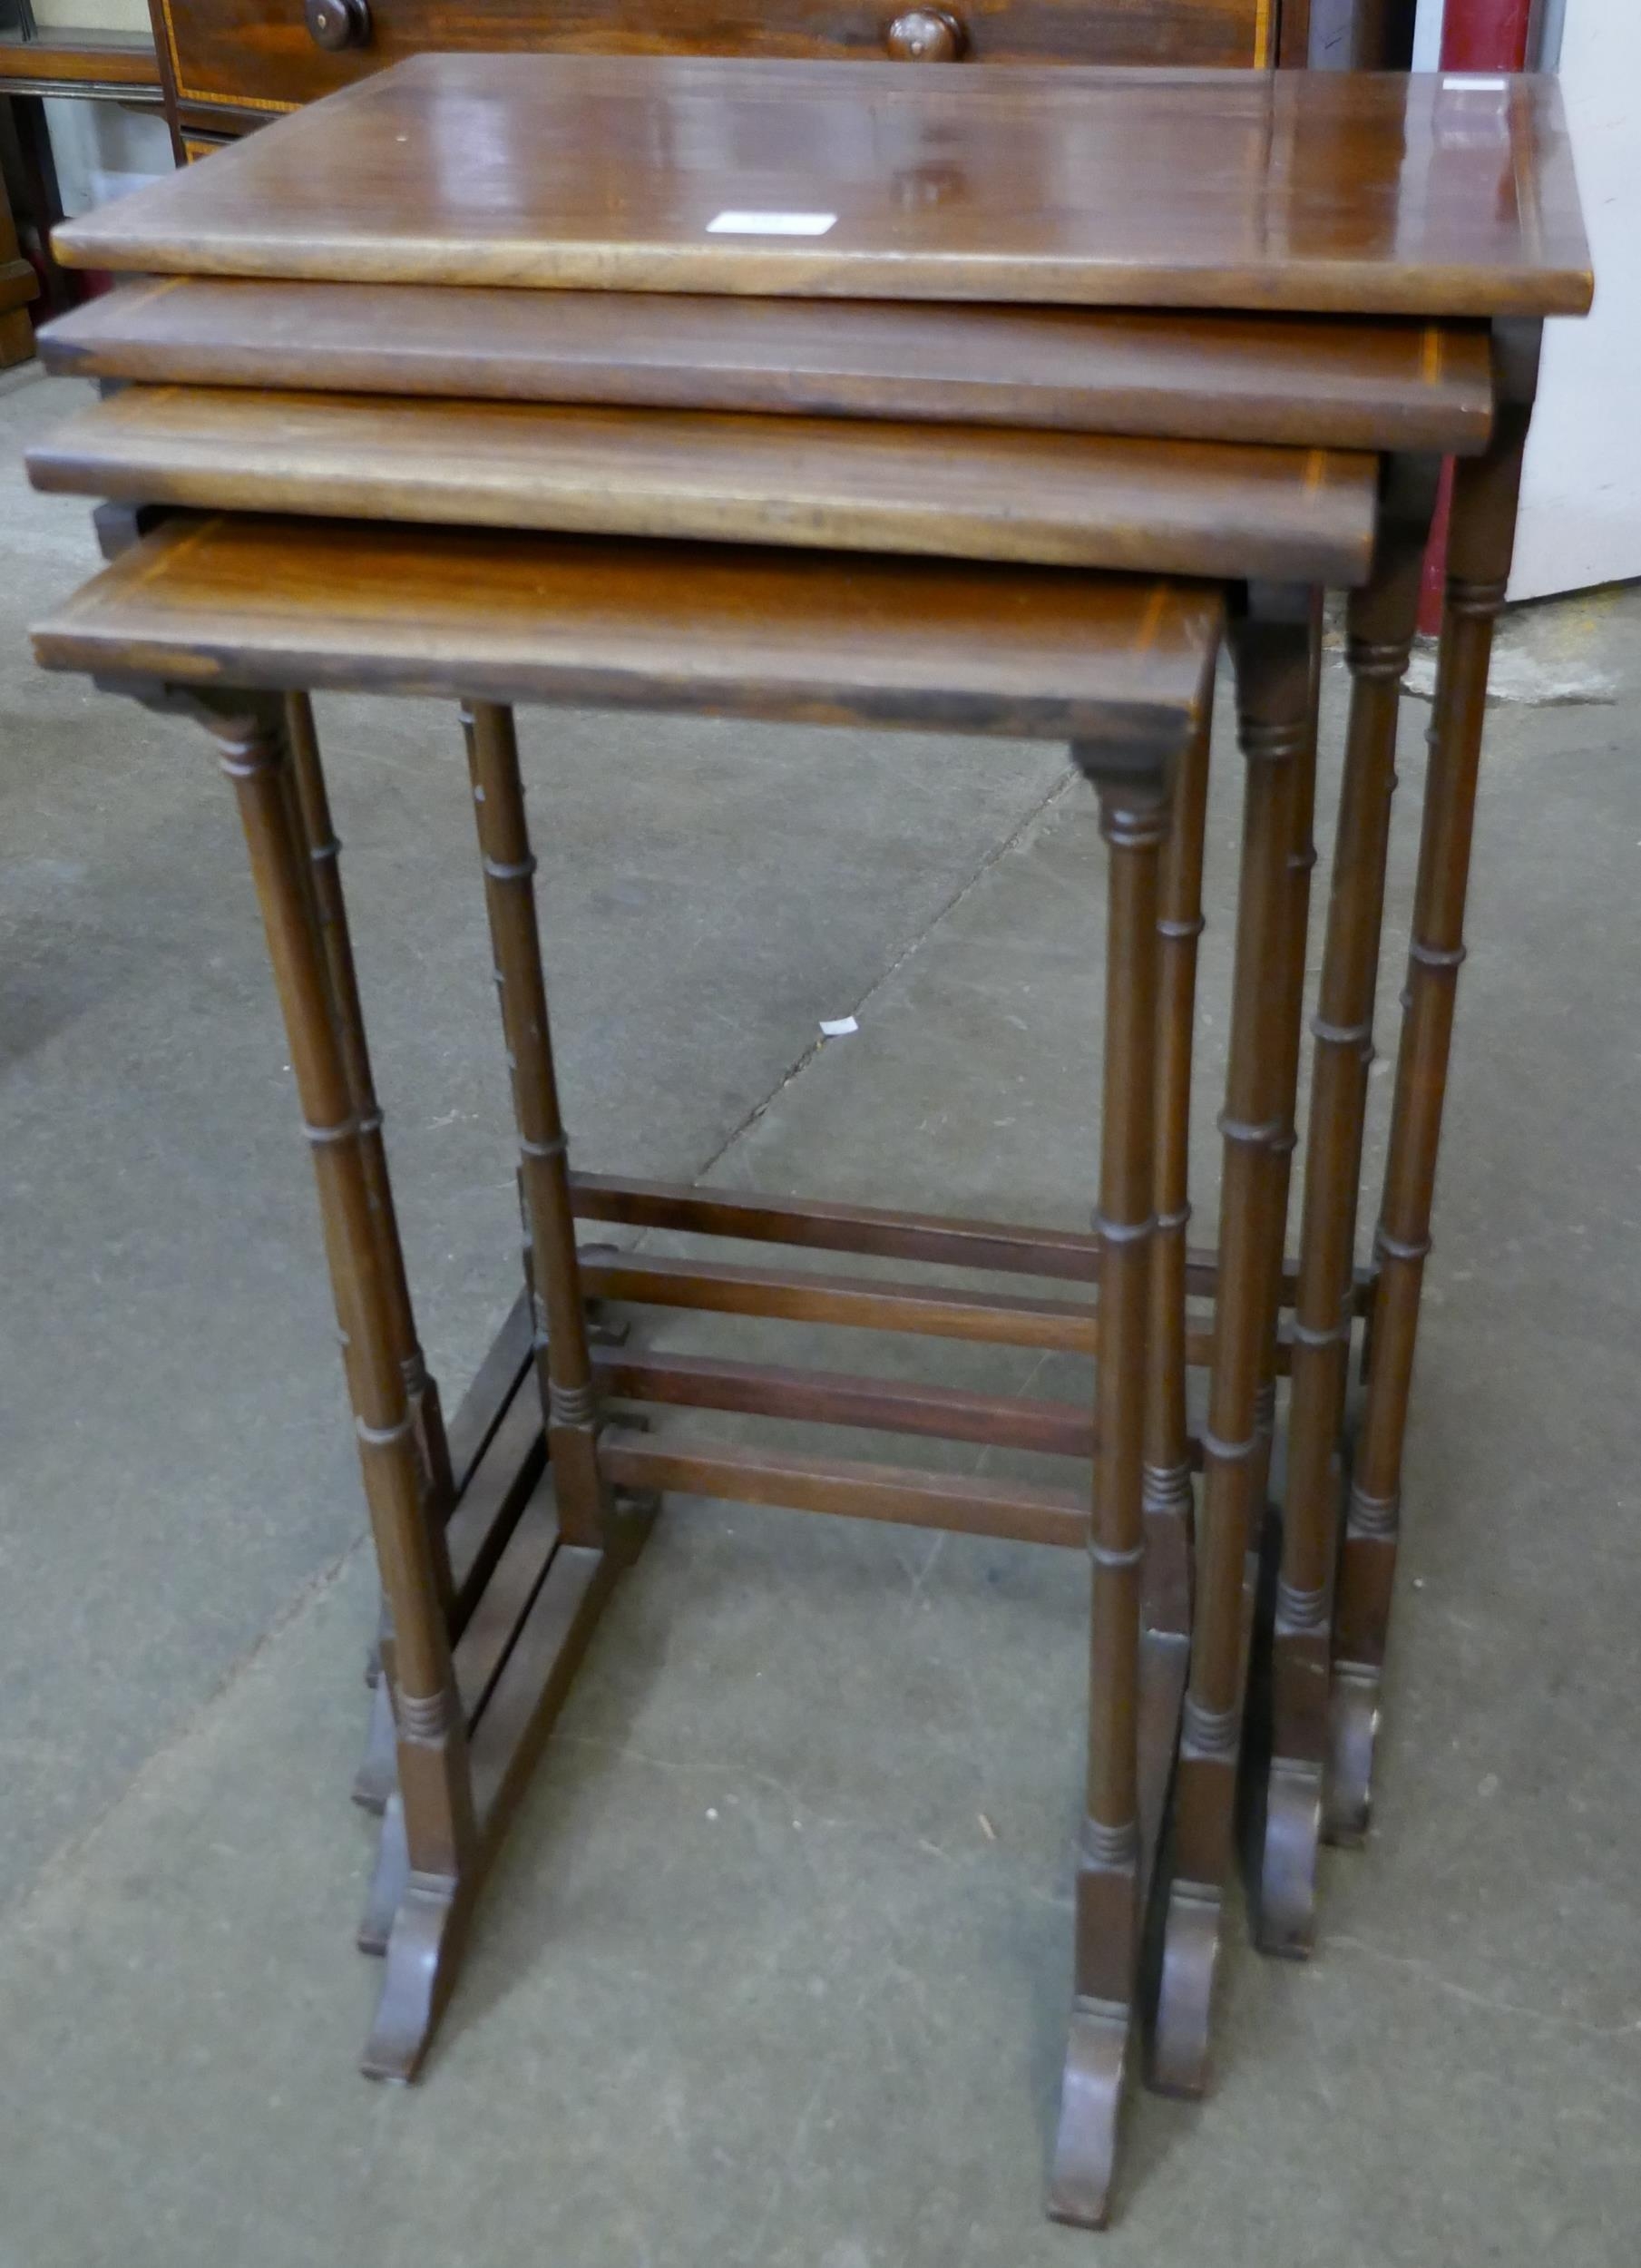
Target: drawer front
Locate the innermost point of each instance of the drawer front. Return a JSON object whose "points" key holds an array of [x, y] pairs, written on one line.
{"points": [[273, 54]]}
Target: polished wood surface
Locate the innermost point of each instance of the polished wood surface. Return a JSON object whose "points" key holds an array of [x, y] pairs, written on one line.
{"points": [[564, 1358], [1480, 540], [479, 1664], [806, 1295], [966, 1504], [435, 1780], [109, 63], [825, 1397], [820, 1224], [1379, 632], [1113, 1862], [268, 54], [1275, 717], [1064, 500], [1313, 382], [1303, 191], [301, 605]]}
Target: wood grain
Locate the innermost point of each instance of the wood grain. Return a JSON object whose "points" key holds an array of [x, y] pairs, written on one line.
{"points": [[803, 635], [963, 1504], [1305, 192], [87, 63], [260, 53], [1321, 383], [1062, 500]]}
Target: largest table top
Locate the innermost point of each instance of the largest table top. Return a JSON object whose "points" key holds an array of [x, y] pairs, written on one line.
{"points": [[1313, 192]]}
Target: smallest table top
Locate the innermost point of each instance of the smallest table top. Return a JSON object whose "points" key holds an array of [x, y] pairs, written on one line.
{"points": [[794, 637], [1305, 192]]}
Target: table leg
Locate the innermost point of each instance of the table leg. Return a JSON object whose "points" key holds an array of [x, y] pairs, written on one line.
{"points": [[311, 815], [1480, 542], [1274, 657], [1381, 628], [1168, 1497], [440, 1831], [1287, 980], [1134, 822], [324, 851], [564, 1362]]}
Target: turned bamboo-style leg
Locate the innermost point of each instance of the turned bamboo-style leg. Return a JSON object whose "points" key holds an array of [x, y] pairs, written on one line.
{"points": [[1290, 974], [564, 1360], [310, 814], [1168, 1498], [324, 851], [1380, 626], [1273, 646], [1133, 820], [1481, 538], [440, 1834]]}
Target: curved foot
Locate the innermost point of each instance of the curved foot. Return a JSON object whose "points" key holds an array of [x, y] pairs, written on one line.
{"points": [[1185, 1991], [1288, 1857], [422, 1952], [387, 1882], [1090, 2108], [1347, 1801]]}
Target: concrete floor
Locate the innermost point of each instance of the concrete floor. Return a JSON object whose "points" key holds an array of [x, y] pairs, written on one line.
{"points": [[775, 1967]]}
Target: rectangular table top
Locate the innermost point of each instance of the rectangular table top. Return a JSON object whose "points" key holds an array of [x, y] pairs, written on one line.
{"points": [[474, 614], [953, 492], [1444, 195], [1311, 381]]}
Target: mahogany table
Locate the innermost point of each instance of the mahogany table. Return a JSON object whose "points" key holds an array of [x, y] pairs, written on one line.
{"points": [[1355, 252], [214, 615]]}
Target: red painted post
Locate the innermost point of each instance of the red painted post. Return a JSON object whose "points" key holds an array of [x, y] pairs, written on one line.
{"points": [[1485, 34]]}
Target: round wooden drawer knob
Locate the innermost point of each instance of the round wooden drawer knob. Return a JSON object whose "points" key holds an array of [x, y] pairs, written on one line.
{"points": [[338, 24], [924, 36]]}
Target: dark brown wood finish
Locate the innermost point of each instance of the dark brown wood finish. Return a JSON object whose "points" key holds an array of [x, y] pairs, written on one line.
{"points": [[564, 1360], [114, 65], [823, 1224], [816, 1397], [479, 1671], [264, 55], [1297, 192], [1380, 635], [729, 1288], [798, 636], [1170, 1453], [1113, 1863], [1274, 687], [961, 1503], [1057, 500], [1303, 382], [309, 813], [312, 814], [1331, 206], [440, 1825], [1480, 543]]}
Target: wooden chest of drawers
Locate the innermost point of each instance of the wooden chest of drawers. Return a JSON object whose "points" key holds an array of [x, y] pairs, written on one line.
{"points": [[231, 62]]}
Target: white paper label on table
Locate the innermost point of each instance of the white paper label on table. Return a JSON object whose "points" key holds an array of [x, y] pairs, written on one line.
{"points": [[771, 224]]}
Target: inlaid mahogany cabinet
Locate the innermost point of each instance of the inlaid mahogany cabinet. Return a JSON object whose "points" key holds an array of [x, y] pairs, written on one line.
{"points": [[230, 65]]}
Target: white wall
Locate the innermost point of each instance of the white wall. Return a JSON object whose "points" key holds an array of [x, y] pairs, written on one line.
{"points": [[1581, 497]]}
